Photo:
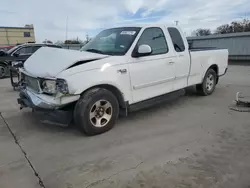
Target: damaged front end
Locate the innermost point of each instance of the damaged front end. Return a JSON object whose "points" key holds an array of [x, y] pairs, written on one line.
{"points": [[46, 95]]}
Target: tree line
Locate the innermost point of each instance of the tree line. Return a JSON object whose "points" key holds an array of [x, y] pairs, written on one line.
{"points": [[233, 27], [71, 41]]}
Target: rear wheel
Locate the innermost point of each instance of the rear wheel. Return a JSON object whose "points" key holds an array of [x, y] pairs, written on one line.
{"points": [[96, 111], [209, 83]]}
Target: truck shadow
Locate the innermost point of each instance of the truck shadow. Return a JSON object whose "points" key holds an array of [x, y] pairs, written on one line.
{"points": [[37, 122]]}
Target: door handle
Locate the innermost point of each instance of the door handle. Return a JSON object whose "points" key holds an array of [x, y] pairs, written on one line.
{"points": [[171, 62]]}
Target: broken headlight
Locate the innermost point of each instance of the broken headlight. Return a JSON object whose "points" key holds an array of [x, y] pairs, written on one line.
{"points": [[54, 86], [62, 86], [49, 86]]}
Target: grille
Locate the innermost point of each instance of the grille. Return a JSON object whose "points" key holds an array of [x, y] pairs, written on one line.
{"points": [[32, 83]]}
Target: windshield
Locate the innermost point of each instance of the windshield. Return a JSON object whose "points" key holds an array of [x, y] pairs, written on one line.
{"points": [[116, 41]]}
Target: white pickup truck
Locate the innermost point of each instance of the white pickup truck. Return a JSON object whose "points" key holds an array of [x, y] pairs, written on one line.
{"points": [[119, 70]]}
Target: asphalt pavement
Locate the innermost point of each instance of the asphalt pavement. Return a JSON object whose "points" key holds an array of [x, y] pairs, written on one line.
{"points": [[193, 142]]}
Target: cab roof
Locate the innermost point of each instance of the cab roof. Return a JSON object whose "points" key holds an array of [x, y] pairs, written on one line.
{"points": [[148, 25]]}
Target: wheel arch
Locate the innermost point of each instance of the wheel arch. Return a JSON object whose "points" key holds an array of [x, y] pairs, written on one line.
{"points": [[216, 69], [118, 94], [213, 67], [3, 63]]}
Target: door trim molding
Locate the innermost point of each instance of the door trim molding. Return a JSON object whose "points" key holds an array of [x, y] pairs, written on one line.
{"points": [[150, 58], [180, 77], [153, 83]]}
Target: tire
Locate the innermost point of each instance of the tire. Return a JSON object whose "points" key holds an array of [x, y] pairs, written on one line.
{"points": [[208, 85], [96, 111], [3, 70]]}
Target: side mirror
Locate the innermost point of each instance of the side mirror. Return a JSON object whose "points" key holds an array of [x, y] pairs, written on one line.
{"points": [[144, 50]]}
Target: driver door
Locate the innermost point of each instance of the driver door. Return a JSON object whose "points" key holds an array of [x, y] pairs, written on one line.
{"points": [[152, 75]]}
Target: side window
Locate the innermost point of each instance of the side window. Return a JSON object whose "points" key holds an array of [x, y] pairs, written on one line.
{"points": [[155, 38], [176, 39], [25, 51]]}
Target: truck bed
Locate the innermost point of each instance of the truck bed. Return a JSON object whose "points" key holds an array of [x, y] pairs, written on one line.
{"points": [[202, 58]]}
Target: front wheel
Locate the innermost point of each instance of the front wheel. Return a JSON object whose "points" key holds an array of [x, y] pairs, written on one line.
{"points": [[96, 111], [209, 83], [3, 71]]}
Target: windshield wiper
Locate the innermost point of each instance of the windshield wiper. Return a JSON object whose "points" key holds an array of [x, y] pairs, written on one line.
{"points": [[95, 51]]}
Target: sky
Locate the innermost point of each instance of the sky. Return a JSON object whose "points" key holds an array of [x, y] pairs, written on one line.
{"points": [[90, 16]]}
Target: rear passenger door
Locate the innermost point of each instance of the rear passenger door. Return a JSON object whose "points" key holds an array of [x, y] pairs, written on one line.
{"points": [[182, 63]]}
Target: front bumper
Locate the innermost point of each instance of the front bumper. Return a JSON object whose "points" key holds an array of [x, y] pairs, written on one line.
{"points": [[52, 111], [43, 102]]}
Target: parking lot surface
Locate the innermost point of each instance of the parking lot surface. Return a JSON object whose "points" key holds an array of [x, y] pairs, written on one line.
{"points": [[191, 142]]}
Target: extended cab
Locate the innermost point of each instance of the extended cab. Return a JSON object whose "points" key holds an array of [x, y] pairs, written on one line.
{"points": [[119, 69]]}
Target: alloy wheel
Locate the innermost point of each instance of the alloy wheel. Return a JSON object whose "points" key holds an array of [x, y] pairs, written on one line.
{"points": [[100, 113]]}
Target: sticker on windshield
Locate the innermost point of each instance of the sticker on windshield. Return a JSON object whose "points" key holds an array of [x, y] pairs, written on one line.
{"points": [[128, 32]]}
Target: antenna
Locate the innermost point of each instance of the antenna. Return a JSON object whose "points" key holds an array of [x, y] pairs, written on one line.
{"points": [[176, 22]]}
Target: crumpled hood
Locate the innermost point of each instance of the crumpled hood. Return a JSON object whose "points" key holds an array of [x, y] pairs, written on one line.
{"points": [[49, 62]]}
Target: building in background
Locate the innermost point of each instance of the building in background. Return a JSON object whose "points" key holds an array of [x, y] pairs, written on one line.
{"points": [[16, 35]]}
